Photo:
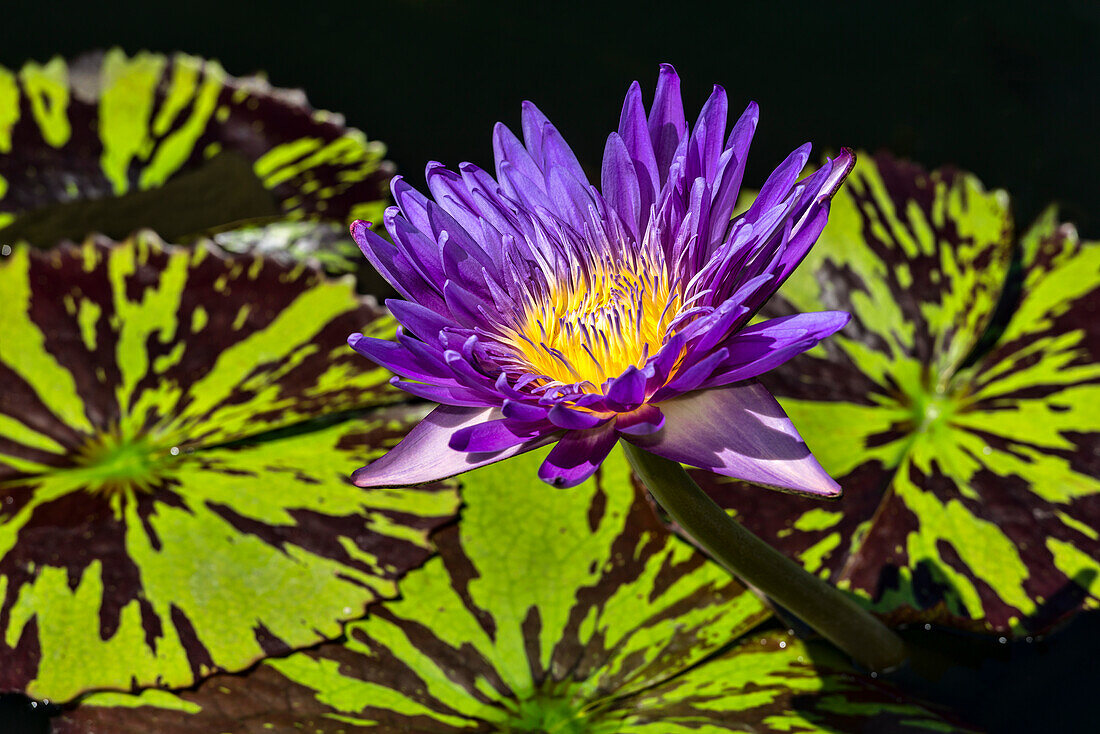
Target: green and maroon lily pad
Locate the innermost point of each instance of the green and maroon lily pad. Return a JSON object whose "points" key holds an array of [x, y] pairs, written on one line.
{"points": [[971, 480], [176, 431], [327, 243], [110, 143], [571, 611]]}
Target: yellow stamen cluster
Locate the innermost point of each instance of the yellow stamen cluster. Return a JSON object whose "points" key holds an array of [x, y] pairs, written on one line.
{"points": [[594, 326]]}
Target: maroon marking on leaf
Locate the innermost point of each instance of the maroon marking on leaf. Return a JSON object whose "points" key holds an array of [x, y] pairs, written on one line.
{"points": [[72, 532], [532, 635], [270, 643], [25, 656], [772, 515], [198, 657]]}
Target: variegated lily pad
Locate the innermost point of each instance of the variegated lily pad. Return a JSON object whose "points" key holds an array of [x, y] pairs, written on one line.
{"points": [[570, 611], [110, 143], [971, 495], [173, 480], [330, 244]]}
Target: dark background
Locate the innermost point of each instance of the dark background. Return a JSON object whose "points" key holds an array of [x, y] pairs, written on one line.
{"points": [[1006, 90]]}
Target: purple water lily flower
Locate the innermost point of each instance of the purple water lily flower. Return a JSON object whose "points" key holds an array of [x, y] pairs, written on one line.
{"points": [[540, 309]]}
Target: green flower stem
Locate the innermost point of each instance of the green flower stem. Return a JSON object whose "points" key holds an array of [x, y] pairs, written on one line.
{"points": [[829, 611]]}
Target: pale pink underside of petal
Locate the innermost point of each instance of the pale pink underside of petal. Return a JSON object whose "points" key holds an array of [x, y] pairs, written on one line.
{"points": [[739, 431], [425, 456]]}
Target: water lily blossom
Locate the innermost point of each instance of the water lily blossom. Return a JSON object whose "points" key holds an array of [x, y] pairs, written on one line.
{"points": [[541, 309]]}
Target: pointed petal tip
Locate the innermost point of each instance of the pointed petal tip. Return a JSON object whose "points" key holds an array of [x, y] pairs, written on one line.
{"points": [[842, 165], [832, 491], [363, 477], [527, 107]]}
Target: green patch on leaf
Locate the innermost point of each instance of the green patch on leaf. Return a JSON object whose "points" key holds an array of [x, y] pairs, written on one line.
{"points": [[110, 143], [176, 431], [967, 449], [330, 245], [547, 611]]}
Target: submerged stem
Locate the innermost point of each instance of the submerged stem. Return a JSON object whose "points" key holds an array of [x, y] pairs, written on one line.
{"points": [[826, 609]]}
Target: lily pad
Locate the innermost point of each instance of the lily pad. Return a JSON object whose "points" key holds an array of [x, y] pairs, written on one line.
{"points": [[971, 480], [329, 244], [176, 431], [546, 611], [110, 143]]}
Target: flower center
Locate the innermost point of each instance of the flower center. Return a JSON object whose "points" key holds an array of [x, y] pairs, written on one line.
{"points": [[594, 326]]}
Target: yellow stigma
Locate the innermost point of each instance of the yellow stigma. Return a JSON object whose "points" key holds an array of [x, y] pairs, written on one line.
{"points": [[593, 327]]}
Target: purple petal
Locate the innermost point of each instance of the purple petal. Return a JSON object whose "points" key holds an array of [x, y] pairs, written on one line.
{"points": [[663, 362], [398, 359], [627, 391], [728, 181], [531, 193], [761, 347], [634, 130], [508, 149], [779, 183], [645, 420], [447, 395], [419, 249], [497, 435], [576, 420], [463, 304], [546, 145], [619, 184], [694, 376], [412, 204], [395, 268], [423, 322], [465, 267], [667, 125], [571, 198], [577, 456], [706, 139], [426, 456], [739, 431], [452, 195], [523, 411], [812, 222]]}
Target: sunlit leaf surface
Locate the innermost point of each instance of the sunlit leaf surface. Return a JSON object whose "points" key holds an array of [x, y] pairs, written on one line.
{"points": [[111, 143], [173, 468], [329, 244], [547, 611], [972, 494]]}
